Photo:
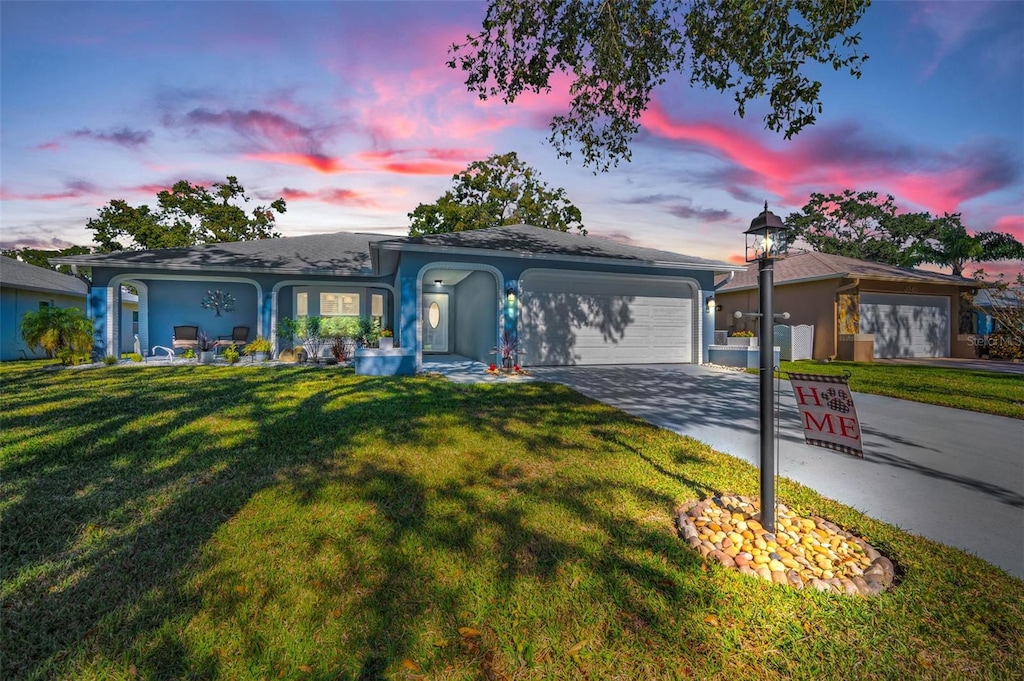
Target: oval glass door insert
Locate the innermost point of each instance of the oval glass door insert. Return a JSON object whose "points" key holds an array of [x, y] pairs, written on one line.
{"points": [[434, 315]]}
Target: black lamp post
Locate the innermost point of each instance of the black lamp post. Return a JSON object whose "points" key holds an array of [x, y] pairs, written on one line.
{"points": [[766, 241]]}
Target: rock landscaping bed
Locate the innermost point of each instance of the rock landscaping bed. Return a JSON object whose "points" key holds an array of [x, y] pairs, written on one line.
{"points": [[802, 552]]}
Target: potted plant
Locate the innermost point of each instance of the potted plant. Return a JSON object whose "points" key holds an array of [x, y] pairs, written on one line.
{"points": [[742, 338], [507, 350], [386, 340], [206, 347], [258, 349]]}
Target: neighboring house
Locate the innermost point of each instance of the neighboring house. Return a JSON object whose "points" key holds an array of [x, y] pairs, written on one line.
{"points": [[569, 299], [985, 301], [27, 288], [908, 312]]}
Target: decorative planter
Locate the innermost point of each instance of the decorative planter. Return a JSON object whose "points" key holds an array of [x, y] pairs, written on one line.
{"points": [[378, 362], [742, 341], [207, 357], [260, 356], [385, 343], [738, 356]]}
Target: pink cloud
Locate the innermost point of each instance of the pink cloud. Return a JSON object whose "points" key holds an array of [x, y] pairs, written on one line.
{"points": [[1011, 224], [837, 158], [339, 197], [422, 167], [318, 162]]}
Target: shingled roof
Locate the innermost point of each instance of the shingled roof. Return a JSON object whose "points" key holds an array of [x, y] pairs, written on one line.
{"points": [[812, 266], [341, 253], [17, 274], [348, 253], [526, 240]]}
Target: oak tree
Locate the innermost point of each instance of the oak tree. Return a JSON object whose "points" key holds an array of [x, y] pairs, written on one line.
{"points": [[616, 52], [501, 190], [188, 215]]}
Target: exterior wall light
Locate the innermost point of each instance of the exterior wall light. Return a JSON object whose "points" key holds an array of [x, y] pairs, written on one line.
{"points": [[510, 295], [437, 282]]}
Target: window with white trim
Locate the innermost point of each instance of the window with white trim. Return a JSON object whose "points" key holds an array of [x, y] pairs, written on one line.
{"points": [[339, 304], [302, 304]]}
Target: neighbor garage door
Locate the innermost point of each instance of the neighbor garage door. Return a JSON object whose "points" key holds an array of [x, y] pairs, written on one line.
{"points": [[569, 318], [906, 325]]}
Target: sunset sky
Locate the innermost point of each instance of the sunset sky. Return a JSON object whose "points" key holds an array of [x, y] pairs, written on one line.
{"points": [[347, 110]]}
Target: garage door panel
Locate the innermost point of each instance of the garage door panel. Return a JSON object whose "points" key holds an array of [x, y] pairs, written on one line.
{"points": [[906, 325], [580, 318]]}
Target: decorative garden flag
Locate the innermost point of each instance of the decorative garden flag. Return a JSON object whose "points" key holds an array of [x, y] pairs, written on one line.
{"points": [[826, 407]]}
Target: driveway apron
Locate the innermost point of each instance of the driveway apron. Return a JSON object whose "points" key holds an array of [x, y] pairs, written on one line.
{"points": [[950, 475]]}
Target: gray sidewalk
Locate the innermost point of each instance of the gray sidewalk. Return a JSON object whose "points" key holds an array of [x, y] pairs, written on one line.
{"points": [[951, 475]]}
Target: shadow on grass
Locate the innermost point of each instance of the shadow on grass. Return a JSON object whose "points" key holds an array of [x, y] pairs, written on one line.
{"points": [[170, 518]]}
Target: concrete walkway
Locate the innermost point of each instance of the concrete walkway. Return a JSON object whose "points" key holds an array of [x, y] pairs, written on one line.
{"points": [[951, 475]]}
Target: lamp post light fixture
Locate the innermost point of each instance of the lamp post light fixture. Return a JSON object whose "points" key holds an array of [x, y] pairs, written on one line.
{"points": [[766, 241]]}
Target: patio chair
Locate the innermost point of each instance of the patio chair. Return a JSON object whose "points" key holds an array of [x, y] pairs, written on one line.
{"points": [[239, 336], [185, 337]]}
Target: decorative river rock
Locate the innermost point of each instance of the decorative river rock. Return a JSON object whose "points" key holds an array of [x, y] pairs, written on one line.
{"points": [[802, 553]]}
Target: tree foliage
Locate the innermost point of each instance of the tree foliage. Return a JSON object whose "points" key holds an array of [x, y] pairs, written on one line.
{"points": [[1005, 305], [617, 51], [501, 190], [862, 225], [40, 257], [63, 332], [188, 214]]}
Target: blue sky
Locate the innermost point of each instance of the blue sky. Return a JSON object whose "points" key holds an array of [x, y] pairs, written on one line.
{"points": [[348, 111]]}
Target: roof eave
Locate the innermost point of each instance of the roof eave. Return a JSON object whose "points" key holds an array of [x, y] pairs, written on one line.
{"points": [[218, 268], [863, 277], [462, 250], [43, 289]]}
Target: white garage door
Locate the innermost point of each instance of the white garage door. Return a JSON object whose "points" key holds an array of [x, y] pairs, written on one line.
{"points": [[569, 318], [906, 325]]}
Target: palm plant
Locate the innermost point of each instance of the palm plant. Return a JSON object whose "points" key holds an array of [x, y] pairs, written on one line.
{"points": [[57, 331]]}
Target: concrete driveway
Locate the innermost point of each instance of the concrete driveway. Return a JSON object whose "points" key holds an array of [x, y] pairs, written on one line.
{"points": [[951, 475]]}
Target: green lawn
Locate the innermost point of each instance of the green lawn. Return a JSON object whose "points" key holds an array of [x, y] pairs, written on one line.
{"points": [[988, 392], [292, 522]]}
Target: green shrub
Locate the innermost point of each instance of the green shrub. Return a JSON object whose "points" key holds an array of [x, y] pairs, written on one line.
{"points": [[107, 359], [189, 353], [231, 354], [62, 332], [743, 334], [133, 356], [259, 344]]}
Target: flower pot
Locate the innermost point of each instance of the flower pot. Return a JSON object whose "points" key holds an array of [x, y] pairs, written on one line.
{"points": [[260, 356], [743, 341], [385, 343], [207, 356]]}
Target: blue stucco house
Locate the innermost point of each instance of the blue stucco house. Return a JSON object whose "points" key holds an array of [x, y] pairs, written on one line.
{"points": [[569, 299]]}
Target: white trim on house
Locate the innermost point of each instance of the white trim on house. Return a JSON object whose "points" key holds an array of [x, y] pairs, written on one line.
{"points": [[465, 267], [322, 283], [144, 298]]}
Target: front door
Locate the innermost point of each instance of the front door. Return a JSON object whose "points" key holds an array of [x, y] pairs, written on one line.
{"points": [[434, 313]]}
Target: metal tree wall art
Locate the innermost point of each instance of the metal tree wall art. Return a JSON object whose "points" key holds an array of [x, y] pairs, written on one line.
{"points": [[218, 301]]}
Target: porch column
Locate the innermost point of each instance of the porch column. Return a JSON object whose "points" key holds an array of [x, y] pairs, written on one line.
{"points": [[97, 311], [272, 325]]}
